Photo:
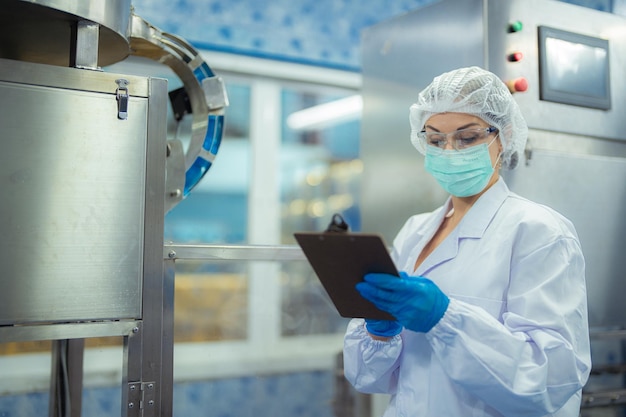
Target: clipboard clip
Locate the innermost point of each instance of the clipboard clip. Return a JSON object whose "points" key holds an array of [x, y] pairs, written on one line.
{"points": [[337, 225]]}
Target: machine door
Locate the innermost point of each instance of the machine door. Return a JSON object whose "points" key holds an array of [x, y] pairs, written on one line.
{"points": [[72, 178]]}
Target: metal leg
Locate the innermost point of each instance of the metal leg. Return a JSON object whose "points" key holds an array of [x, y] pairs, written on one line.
{"points": [[66, 385], [147, 385], [148, 350], [131, 395], [167, 340]]}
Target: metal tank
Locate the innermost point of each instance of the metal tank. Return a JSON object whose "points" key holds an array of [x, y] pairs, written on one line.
{"points": [[87, 175], [575, 160]]}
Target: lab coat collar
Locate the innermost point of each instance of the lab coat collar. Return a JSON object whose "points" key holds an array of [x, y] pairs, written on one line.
{"points": [[477, 219], [473, 224]]}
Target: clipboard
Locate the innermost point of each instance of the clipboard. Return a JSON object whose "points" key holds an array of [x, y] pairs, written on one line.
{"points": [[340, 260]]}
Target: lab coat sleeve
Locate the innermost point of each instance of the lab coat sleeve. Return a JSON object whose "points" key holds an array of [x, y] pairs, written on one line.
{"points": [[370, 365], [533, 360]]}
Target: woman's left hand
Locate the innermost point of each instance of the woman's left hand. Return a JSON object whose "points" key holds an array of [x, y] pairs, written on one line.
{"points": [[416, 302]]}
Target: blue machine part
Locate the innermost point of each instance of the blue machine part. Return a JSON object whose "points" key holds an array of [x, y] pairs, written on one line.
{"points": [[204, 160], [209, 98], [203, 71], [212, 139]]}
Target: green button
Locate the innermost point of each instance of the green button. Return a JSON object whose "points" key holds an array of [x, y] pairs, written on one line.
{"points": [[515, 26]]}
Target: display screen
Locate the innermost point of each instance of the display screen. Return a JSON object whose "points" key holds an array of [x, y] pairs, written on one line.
{"points": [[574, 68]]}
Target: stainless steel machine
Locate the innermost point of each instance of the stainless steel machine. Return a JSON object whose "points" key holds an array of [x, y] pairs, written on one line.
{"points": [[87, 175], [565, 66]]}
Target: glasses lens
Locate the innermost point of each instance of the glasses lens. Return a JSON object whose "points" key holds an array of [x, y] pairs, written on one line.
{"points": [[461, 139], [469, 137], [435, 139]]}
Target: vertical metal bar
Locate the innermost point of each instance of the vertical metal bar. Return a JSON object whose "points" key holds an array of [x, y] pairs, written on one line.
{"points": [[148, 352], [153, 284], [265, 142], [53, 403], [264, 211], [84, 45], [167, 340], [131, 371], [66, 379]]}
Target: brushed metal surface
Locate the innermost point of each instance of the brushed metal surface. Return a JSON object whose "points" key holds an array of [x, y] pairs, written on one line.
{"points": [[589, 190], [53, 76], [72, 177], [546, 115], [40, 31], [67, 330], [234, 252]]}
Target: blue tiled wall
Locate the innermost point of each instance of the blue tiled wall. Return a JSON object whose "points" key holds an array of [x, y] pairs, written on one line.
{"points": [[304, 394], [321, 32], [31, 404], [301, 394], [325, 32]]}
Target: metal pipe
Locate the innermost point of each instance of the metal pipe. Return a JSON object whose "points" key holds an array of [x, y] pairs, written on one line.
{"points": [[234, 252]]}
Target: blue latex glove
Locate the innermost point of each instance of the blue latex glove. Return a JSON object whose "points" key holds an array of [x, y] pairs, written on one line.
{"points": [[416, 302], [383, 328]]}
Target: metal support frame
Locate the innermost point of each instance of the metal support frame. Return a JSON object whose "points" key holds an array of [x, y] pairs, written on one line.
{"points": [[147, 384]]}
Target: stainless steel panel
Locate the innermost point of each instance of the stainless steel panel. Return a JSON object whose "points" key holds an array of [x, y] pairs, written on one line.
{"points": [[41, 31], [72, 176], [50, 76], [67, 330], [590, 191], [547, 115]]}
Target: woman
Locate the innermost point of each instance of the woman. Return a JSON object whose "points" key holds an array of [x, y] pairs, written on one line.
{"points": [[491, 304]]}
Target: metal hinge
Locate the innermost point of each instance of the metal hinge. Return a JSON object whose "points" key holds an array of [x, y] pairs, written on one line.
{"points": [[141, 399]]}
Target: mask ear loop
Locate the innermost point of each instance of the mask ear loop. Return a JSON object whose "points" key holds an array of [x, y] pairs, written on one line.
{"points": [[498, 163]]}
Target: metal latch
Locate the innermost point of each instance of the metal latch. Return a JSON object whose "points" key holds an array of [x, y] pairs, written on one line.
{"points": [[141, 398], [122, 98]]}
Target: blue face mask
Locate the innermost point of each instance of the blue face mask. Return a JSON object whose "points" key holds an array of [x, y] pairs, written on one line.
{"points": [[461, 173]]}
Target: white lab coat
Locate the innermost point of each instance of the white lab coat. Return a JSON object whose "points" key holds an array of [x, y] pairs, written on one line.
{"points": [[514, 340]]}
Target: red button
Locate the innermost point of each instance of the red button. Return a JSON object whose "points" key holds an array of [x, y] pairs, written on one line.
{"points": [[515, 57], [517, 85]]}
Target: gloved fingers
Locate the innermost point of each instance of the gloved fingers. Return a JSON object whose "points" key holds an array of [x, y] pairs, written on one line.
{"points": [[371, 292], [380, 298], [383, 304], [402, 284], [385, 281]]}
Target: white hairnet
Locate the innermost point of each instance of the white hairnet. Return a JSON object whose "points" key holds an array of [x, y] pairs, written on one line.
{"points": [[478, 92]]}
